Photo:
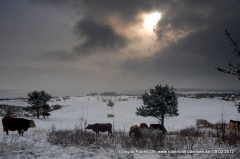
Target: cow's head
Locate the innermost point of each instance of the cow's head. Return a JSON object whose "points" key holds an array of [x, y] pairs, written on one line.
{"points": [[32, 124], [145, 125], [89, 126]]}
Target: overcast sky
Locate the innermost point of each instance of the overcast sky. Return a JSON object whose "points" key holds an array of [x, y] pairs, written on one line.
{"points": [[105, 44]]}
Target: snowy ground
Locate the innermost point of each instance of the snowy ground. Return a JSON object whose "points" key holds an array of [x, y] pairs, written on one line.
{"points": [[95, 111]]}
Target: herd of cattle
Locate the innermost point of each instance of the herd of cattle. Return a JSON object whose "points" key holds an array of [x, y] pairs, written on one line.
{"points": [[135, 130], [22, 125], [233, 125]]}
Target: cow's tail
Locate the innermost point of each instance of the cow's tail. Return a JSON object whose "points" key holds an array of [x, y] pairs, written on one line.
{"points": [[3, 130]]}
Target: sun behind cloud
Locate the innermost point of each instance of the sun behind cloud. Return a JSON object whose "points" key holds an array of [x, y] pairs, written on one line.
{"points": [[150, 20]]}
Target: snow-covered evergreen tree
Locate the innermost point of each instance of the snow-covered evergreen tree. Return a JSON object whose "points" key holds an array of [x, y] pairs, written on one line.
{"points": [[38, 100], [160, 102], [110, 103]]}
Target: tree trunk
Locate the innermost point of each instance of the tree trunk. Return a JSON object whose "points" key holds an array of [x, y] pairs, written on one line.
{"points": [[164, 130], [113, 123], [162, 120], [113, 119], [38, 112]]}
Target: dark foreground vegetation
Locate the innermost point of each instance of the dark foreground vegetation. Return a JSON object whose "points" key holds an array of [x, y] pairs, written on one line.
{"points": [[214, 137], [186, 138]]}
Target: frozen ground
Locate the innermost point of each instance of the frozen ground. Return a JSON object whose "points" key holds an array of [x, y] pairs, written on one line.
{"points": [[95, 111]]}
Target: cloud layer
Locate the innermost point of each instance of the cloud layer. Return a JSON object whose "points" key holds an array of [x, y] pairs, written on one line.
{"points": [[107, 43]]}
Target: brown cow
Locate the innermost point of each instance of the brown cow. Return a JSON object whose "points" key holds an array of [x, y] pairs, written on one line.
{"points": [[19, 124], [235, 121], [234, 125], [143, 126], [101, 127], [136, 131], [110, 115], [46, 114], [202, 122]]}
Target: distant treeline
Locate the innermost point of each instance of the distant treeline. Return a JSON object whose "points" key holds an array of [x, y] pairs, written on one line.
{"points": [[19, 98], [112, 94], [210, 95]]}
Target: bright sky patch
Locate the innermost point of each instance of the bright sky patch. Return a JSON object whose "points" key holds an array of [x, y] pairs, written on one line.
{"points": [[150, 20]]}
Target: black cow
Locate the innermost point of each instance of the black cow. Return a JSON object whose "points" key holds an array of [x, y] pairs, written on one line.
{"points": [[157, 126], [45, 114], [101, 127], [20, 124]]}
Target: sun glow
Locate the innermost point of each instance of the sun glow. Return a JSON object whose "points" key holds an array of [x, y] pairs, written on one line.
{"points": [[150, 20]]}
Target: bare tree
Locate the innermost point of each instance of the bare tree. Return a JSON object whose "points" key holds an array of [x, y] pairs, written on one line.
{"points": [[234, 69]]}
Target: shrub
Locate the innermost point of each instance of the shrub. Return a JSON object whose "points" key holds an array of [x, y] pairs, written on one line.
{"points": [[56, 107]]}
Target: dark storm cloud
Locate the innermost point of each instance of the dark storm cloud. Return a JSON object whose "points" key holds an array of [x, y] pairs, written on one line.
{"points": [[176, 61], [98, 35], [127, 10], [200, 51], [188, 15], [97, 38]]}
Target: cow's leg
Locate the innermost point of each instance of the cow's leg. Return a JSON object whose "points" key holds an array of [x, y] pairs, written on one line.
{"points": [[6, 131], [22, 131], [109, 132], [19, 131]]}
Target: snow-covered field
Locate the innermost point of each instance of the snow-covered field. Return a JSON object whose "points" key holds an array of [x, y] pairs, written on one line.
{"points": [[95, 111]]}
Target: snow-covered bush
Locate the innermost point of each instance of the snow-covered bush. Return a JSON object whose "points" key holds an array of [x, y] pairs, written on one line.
{"points": [[56, 107]]}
